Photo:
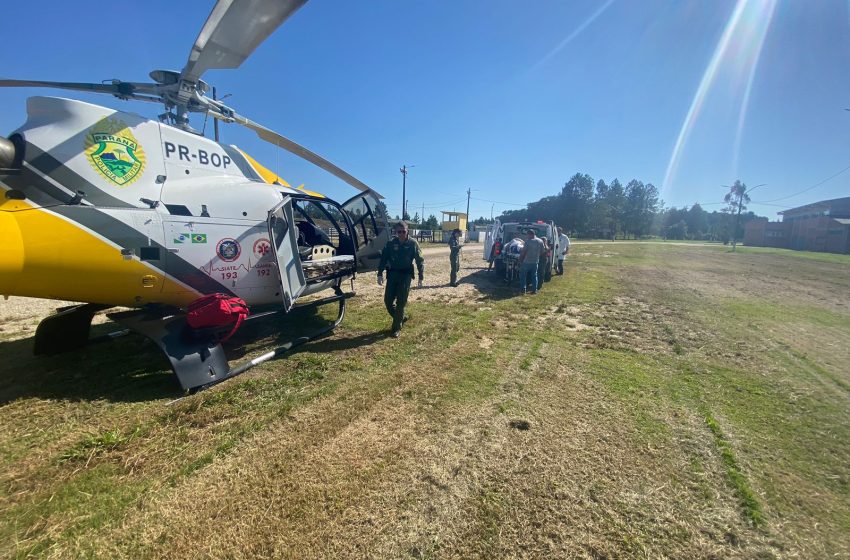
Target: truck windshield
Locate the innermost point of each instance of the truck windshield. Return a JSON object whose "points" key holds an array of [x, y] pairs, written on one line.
{"points": [[519, 230]]}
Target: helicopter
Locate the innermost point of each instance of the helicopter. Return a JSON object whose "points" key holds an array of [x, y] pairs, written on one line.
{"points": [[112, 209]]}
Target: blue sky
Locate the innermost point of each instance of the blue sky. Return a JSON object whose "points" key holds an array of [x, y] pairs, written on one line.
{"points": [[506, 98]]}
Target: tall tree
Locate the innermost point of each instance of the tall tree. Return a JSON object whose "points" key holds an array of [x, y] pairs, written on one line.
{"points": [[547, 208], [575, 200], [599, 209], [697, 221], [519, 215], [641, 206], [431, 223], [584, 208], [736, 198], [673, 224], [616, 201]]}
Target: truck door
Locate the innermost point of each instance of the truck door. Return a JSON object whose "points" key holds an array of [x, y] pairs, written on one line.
{"points": [[371, 228], [284, 238], [489, 238], [556, 240]]}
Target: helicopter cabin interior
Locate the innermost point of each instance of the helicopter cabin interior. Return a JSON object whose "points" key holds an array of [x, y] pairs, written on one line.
{"points": [[327, 236], [322, 239]]}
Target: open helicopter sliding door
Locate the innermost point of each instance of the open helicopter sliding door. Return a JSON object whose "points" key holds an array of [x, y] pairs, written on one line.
{"points": [[284, 238], [371, 228]]}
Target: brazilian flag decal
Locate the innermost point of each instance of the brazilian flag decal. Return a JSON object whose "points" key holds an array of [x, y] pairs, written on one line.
{"points": [[199, 238]]}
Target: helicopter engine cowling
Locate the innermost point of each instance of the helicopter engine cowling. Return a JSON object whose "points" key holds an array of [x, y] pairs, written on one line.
{"points": [[8, 154]]}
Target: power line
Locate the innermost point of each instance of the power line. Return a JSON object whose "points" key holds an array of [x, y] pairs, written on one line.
{"points": [[831, 177], [769, 204], [499, 202], [458, 201]]}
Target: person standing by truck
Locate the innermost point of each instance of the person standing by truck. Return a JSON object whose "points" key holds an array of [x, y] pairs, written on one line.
{"points": [[563, 249], [543, 263], [529, 260], [455, 246], [397, 259]]}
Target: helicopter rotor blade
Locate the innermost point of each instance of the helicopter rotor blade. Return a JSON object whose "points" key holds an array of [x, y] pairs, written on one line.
{"points": [[78, 86], [124, 90], [233, 30], [293, 147]]}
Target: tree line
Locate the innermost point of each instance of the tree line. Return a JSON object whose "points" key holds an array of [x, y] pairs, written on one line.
{"points": [[596, 209]]}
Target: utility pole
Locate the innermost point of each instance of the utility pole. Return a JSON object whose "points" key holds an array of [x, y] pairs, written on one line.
{"points": [[403, 170], [468, 194]]}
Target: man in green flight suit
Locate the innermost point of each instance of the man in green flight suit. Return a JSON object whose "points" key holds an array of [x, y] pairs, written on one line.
{"points": [[397, 259], [455, 245]]}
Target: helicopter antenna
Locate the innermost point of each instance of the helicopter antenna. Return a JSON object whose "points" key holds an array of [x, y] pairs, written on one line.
{"points": [[215, 121]]}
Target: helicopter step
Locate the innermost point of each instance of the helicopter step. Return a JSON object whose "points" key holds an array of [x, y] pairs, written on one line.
{"points": [[196, 356]]}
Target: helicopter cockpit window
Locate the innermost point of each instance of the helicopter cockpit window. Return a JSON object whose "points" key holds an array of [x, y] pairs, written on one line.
{"points": [[279, 227], [364, 223], [322, 230]]}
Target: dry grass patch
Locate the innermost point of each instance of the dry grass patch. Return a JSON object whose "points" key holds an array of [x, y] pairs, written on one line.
{"points": [[572, 424]]}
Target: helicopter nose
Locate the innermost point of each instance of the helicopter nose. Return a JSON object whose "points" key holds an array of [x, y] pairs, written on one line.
{"points": [[11, 252]]}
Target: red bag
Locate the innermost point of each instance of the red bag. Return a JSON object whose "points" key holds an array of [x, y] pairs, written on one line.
{"points": [[217, 310]]}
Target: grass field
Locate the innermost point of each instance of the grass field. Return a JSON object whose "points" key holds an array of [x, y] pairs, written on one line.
{"points": [[658, 401]]}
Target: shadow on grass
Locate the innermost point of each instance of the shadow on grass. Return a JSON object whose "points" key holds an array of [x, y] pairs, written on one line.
{"points": [[328, 344], [128, 369], [492, 284], [133, 368]]}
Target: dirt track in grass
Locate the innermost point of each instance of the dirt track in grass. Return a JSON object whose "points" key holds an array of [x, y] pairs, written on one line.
{"points": [[571, 424]]}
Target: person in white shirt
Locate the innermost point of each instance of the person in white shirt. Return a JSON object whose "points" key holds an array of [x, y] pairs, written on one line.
{"points": [[563, 249]]}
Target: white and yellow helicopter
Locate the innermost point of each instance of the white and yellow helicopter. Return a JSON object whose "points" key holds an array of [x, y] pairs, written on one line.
{"points": [[113, 209]]}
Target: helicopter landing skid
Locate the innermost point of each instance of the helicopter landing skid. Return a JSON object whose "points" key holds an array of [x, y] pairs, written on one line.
{"points": [[197, 357]]}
